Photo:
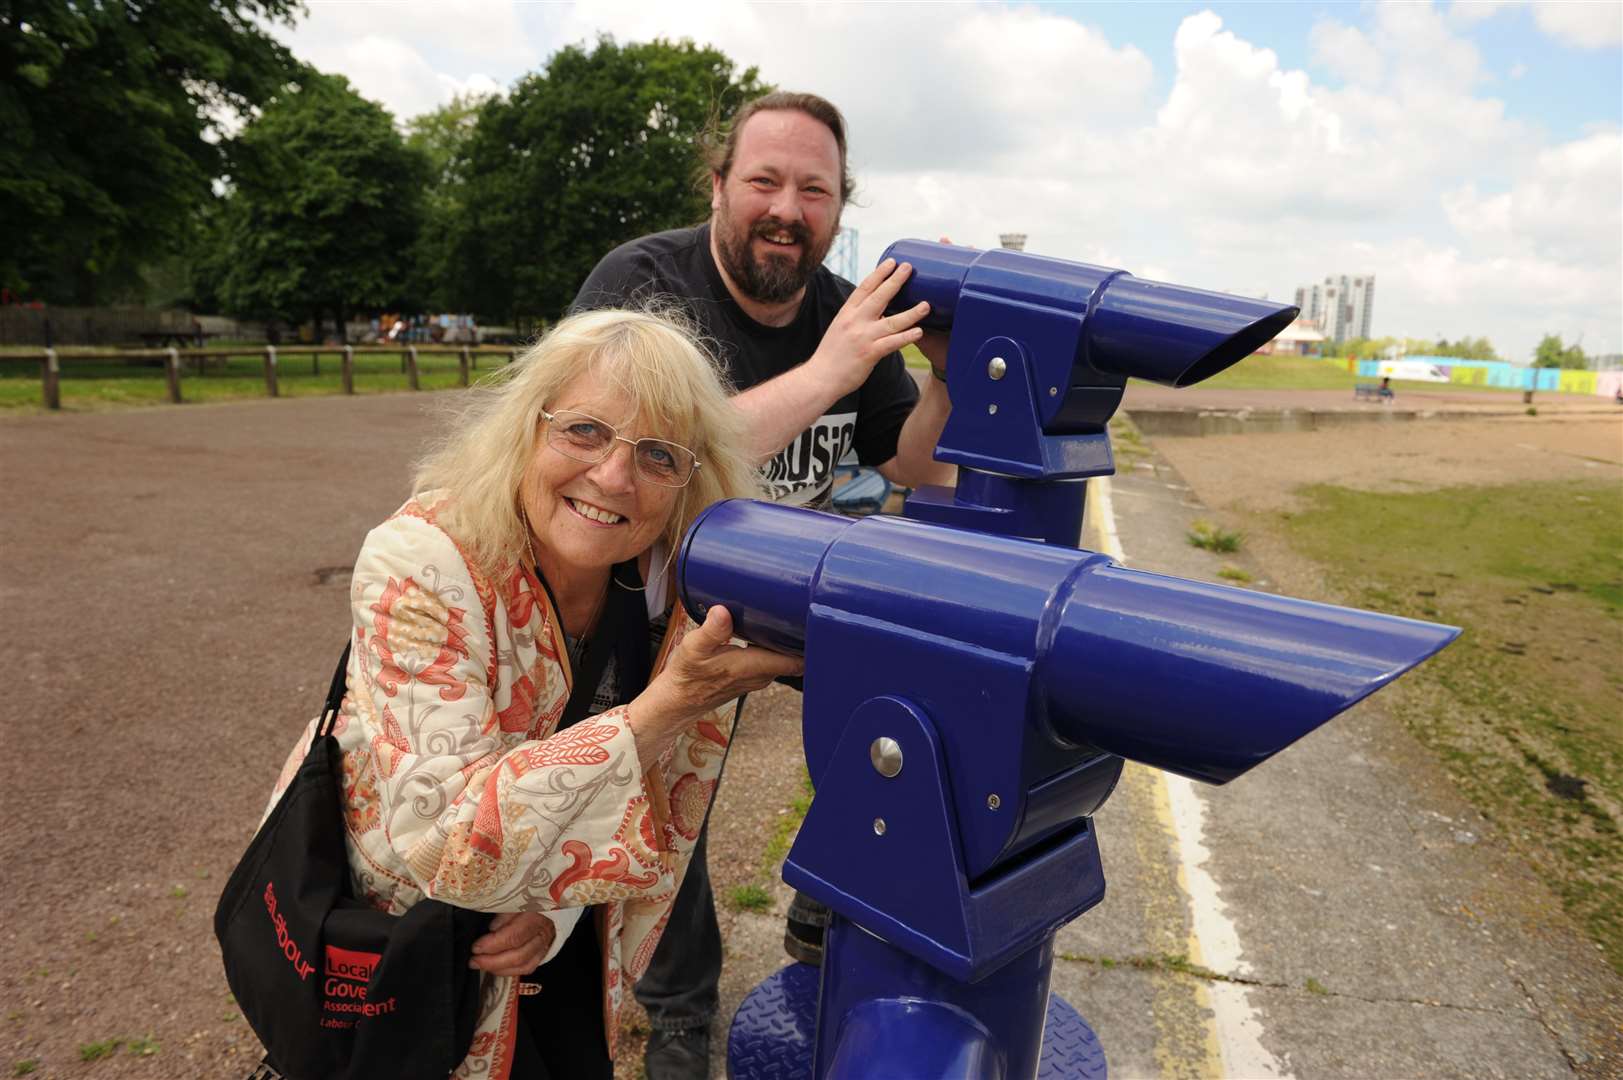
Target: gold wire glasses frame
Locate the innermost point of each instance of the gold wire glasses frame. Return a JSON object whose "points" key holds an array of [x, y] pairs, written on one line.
{"points": [[586, 438]]}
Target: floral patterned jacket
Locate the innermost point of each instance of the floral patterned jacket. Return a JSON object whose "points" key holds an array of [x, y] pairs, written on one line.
{"points": [[458, 787]]}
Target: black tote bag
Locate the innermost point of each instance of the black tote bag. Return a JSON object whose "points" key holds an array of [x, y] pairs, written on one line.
{"points": [[333, 988]]}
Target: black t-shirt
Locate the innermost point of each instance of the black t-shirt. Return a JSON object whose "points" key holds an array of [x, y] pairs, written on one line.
{"points": [[677, 266]]}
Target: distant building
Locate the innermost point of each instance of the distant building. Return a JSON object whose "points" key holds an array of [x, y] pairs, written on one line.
{"points": [[1300, 338], [1014, 241], [1343, 307]]}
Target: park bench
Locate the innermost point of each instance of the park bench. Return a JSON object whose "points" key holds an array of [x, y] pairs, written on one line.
{"points": [[1372, 391]]}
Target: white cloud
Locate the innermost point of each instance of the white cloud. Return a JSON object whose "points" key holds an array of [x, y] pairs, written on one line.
{"points": [[1347, 51], [1244, 174], [1568, 207], [1583, 24], [1588, 26]]}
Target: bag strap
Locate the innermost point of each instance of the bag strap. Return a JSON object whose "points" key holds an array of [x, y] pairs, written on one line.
{"points": [[335, 698]]}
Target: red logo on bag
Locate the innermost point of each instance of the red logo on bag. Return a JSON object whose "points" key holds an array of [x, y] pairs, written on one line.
{"points": [[350, 964], [284, 940], [345, 967]]}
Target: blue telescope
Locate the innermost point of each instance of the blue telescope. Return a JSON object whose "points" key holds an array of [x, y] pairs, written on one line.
{"points": [[974, 680]]}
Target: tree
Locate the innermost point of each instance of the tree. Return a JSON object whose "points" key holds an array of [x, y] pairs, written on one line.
{"points": [[441, 136], [111, 113], [1466, 348], [1552, 352], [596, 149], [324, 206]]}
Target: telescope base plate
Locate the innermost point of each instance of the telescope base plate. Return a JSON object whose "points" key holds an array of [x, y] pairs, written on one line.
{"points": [[775, 1029]]}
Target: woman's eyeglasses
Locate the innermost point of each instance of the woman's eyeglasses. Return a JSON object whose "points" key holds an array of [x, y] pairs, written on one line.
{"points": [[586, 438]]}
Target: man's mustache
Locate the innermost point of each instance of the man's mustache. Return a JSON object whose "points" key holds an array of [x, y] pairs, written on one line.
{"points": [[796, 230]]}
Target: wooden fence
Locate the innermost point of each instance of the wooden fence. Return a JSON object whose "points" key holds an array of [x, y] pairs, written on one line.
{"points": [[51, 362]]}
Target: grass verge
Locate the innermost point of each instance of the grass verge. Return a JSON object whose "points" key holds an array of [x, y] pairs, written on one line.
{"points": [[1523, 709]]}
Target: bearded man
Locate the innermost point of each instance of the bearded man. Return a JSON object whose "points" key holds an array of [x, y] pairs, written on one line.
{"points": [[818, 372]]}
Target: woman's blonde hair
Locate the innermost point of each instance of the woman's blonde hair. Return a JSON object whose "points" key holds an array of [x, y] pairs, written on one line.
{"points": [[679, 391]]}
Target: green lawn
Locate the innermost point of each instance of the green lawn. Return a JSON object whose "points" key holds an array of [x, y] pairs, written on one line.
{"points": [[1523, 709], [92, 385]]}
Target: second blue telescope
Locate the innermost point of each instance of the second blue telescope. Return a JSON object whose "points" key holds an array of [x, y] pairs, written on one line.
{"points": [[1200, 679]]}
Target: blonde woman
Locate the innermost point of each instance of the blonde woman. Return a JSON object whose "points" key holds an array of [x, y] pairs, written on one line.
{"points": [[534, 561]]}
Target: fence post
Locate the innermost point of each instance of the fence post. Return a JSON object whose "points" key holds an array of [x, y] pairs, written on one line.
{"points": [[512, 355], [172, 369], [349, 369], [270, 370], [411, 366], [50, 376], [462, 366], [315, 363]]}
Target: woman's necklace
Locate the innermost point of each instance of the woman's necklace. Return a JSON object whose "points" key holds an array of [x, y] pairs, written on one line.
{"points": [[578, 649]]}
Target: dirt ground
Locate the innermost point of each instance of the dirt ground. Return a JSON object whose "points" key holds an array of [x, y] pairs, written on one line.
{"points": [[173, 590], [1261, 472]]}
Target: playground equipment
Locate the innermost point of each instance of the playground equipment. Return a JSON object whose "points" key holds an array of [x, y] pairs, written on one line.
{"points": [[974, 680]]}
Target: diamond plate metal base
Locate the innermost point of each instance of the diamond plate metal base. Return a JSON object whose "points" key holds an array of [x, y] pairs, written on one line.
{"points": [[773, 1032]]}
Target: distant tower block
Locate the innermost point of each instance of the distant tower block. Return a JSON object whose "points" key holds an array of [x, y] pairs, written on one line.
{"points": [[1014, 241]]}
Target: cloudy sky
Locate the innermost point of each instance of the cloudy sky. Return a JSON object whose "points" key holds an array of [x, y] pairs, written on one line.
{"points": [[1470, 155]]}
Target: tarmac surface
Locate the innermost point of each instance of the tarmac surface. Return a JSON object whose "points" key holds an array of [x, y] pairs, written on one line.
{"points": [[174, 595]]}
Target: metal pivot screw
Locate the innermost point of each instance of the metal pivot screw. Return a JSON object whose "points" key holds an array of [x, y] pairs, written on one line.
{"points": [[879, 826], [991, 410], [886, 755], [996, 368], [993, 802], [1053, 391]]}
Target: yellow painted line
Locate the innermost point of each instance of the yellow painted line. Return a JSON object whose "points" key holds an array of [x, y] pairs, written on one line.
{"points": [[1232, 1045]]}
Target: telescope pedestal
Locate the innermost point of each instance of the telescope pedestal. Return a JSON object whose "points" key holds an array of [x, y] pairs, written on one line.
{"points": [[775, 1029]]}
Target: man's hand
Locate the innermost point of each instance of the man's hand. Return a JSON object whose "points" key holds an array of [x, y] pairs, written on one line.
{"points": [[862, 334], [516, 944]]}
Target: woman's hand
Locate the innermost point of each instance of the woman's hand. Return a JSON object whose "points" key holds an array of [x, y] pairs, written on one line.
{"points": [[515, 945], [862, 334], [704, 670]]}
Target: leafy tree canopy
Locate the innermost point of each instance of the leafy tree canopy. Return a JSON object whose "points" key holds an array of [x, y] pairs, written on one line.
{"points": [[596, 149], [324, 206], [1466, 348], [1552, 352], [441, 136], [111, 114]]}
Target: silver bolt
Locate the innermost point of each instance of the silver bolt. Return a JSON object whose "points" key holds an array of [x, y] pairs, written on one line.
{"points": [[879, 826], [886, 755], [993, 802], [996, 368], [1053, 391], [991, 410]]}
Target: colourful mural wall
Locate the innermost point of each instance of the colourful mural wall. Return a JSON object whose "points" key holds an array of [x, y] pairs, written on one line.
{"points": [[1495, 373]]}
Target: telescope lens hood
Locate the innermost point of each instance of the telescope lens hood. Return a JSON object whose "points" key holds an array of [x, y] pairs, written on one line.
{"points": [[1175, 335]]}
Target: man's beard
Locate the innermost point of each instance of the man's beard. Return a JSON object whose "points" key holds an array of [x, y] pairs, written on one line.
{"points": [[772, 279]]}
